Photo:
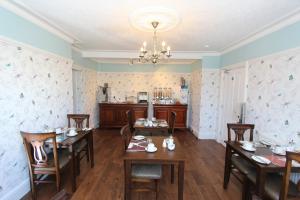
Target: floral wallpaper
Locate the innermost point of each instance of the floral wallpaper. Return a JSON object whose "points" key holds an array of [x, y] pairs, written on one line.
{"points": [[124, 84], [273, 102], [195, 101], [209, 102], [36, 91], [87, 94]]}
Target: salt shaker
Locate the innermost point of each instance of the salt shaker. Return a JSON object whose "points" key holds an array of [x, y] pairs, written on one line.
{"points": [[164, 144]]}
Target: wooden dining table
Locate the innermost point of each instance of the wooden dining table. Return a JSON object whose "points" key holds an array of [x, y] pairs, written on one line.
{"points": [[140, 127], [71, 142], [262, 170], [161, 156]]}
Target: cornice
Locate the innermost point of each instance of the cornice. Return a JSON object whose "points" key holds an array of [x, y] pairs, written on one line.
{"points": [[30, 15]]}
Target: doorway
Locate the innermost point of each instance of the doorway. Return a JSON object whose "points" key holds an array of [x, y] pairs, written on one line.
{"points": [[233, 97]]}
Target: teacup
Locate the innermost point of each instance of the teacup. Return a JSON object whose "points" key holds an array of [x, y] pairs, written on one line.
{"points": [[151, 146], [279, 150], [72, 132], [170, 141], [58, 130]]}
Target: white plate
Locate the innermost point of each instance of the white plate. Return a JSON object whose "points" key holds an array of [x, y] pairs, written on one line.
{"points": [[69, 135], [163, 125], [264, 142], [261, 159], [283, 153], [248, 149], [152, 150], [139, 137]]}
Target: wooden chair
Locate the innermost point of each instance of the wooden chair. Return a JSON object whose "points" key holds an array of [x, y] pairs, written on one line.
{"points": [[83, 146], [142, 173], [277, 186], [130, 120], [62, 195], [172, 123], [240, 167], [41, 163]]}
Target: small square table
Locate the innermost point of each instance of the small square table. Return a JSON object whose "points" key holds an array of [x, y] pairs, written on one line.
{"points": [[161, 156]]}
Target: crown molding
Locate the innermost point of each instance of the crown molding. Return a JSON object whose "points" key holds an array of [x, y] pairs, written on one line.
{"points": [[134, 54], [30, 15], [284, 21]]}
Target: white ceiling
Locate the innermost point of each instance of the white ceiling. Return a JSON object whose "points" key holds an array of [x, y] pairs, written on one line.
{"points": [[103, 25]]}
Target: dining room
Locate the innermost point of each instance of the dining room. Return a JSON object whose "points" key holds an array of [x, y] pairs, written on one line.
{"points": [[193, 100]]}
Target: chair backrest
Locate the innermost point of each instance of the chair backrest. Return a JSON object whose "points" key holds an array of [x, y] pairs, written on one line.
{"points": [[34, 144], [172, 122], [130, 120], [79, 119], [239, 131], [290, 156], [126, 135]]}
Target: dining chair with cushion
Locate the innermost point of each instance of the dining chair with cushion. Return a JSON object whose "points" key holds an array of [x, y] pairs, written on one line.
{"points": [[40, 163], [277, 186], [240, 167], [172, 123], [142, 173], [82, 149]]}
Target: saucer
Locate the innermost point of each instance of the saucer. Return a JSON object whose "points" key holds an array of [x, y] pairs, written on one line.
{"points": [[72, 135], [152, 150], [248, 149], [139, 137]]}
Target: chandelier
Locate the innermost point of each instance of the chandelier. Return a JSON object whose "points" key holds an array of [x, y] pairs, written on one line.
{"points": [[157, 52]]}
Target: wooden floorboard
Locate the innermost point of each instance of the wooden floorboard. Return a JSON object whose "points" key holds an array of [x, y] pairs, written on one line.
{"points": [[203, 172]]}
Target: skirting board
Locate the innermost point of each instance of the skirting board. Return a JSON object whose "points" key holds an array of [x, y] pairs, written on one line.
{"points": [[206, 136], [18, 192]]}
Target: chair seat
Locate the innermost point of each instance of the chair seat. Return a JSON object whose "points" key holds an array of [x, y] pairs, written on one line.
{"points": [[80, 146], [241, 164], [146, 171], [273, 185], [63, 159]]}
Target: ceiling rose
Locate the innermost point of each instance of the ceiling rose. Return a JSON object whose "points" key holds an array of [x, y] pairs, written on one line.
{"points": [[142, 18]]}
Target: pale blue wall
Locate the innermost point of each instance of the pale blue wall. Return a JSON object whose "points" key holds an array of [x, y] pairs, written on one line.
{"points": [[144, 68], [18, 28], [84, 62], [285, 38], [211, 61]]}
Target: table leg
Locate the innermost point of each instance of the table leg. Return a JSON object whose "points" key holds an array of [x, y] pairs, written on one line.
{"points": [[73, 168], [91, 148], [180, 179], [260, 182], [127, 177], [227, 166], [172, 173]]}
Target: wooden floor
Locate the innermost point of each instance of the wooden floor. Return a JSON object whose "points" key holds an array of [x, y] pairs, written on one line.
{"points": [[203, 172]]}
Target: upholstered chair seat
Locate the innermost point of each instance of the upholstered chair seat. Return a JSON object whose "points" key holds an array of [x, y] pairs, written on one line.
{"points": [[63, 159], [146, 171], [273, 185]]}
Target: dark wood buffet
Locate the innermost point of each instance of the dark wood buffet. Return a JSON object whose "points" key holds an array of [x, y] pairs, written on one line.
{"points": [[113, 115], [163, 111]]}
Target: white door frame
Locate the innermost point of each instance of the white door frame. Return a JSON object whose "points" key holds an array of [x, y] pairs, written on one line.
{"points": [[221, 117]]}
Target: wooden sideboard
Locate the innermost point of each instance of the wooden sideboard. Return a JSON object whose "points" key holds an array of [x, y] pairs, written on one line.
{"points": [[162, 111], [113, 115]]}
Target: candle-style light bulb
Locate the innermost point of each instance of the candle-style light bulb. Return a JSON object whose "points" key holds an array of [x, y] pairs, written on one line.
{"points": [[142, 49], [168, 48], [163, 43], [144, 43]]}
